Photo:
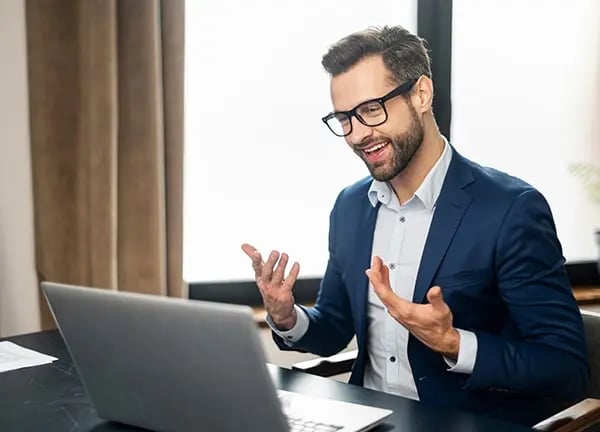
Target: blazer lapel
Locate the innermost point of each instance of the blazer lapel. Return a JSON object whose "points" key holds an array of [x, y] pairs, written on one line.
{"points": [[450, 209], [362, 261]]}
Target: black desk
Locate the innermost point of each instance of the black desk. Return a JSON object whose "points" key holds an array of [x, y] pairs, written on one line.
{"points": [[51, 398]]}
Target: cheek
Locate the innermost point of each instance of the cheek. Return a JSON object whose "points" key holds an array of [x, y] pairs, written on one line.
{"points": [[401, 119], [387, 130], [400, 126]]}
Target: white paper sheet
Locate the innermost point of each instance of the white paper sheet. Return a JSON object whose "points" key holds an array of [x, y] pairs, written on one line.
{"points": [[13, 356]]}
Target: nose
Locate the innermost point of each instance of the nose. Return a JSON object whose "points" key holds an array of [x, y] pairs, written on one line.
{"points": [[359, 132]]}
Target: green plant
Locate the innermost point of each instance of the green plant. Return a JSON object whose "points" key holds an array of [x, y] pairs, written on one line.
{"points": [[590, 176]]}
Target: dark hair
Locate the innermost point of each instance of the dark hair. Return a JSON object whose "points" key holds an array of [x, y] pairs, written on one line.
{"points": [[404, 53]]}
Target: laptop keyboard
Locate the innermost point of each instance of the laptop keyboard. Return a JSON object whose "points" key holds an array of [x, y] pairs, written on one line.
{"points": [[298, 424]]}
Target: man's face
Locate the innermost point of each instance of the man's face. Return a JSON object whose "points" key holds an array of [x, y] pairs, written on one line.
{"points": [[388, 148]]}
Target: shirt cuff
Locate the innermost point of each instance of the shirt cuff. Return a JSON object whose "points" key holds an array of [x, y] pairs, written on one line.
{"points": [[467, 353], [295, 333]]}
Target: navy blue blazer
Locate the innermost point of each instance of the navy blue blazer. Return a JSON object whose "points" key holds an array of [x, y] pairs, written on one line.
{"points": [[492, 248]]}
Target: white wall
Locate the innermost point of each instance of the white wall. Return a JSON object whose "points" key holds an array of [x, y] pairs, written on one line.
{"points": [[18, 283], [260, 166], [526, 100]]}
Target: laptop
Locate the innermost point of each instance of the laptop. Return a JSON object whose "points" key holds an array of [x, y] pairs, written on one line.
{"points": [[184, 365]]}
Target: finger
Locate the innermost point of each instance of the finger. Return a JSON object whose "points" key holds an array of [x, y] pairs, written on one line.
{"points": [[267, 268], [280, 269], [374, 273], [435, 297], [291, 278], [257, 264], [400, 309], [248, 249], [379, 277], [385, 274], [256, 258], [376, 280], [384, 271], [377, 263], [397, 307]]}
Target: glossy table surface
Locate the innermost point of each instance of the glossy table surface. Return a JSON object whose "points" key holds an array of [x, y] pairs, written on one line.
{"points": [[52, 398]]}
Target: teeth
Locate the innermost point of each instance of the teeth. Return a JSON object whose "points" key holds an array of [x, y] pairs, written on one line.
{"points": [[375, 148]]}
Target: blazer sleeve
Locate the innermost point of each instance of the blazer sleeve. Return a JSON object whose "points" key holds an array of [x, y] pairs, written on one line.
{"points": [[330, 326], [549, 358]]}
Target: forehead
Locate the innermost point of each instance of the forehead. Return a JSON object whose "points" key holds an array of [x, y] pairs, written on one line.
{"points": [[367, 79]]}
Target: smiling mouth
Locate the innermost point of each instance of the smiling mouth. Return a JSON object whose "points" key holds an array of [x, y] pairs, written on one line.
{"points": [[375, 152], [374, 148]]}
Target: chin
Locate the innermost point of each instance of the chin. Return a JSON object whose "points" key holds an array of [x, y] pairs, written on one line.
{"points": [[382, 175], [385, 173]]}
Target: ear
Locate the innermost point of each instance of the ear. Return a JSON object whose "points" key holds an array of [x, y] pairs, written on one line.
{"points": [[423, 94]]}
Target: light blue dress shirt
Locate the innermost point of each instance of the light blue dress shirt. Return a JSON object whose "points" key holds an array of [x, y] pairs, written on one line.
{"points": [[399, 239]]}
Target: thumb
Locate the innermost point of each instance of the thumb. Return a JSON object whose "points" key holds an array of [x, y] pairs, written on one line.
{"points": [[374, 277], [435, 297], [377, 272]]}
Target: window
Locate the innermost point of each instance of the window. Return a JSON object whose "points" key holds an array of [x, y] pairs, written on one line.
{"points": [[525, 100], [260, 166]]}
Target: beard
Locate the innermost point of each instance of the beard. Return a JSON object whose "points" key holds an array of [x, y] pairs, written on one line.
{"points": [[404, 148]]}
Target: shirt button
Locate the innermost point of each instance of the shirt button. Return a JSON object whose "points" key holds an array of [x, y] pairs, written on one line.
{"points": [[402, 219], [393, 359], [392, 266]]}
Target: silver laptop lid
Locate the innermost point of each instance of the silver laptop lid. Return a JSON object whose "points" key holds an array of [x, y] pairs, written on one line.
{"points": [[158, 363]]}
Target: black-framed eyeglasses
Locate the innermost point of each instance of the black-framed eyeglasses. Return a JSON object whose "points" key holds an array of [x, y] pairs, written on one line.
{"points": [[370, 113]]}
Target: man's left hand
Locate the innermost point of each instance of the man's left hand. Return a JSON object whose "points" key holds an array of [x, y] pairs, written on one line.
{"points": [[430, 323]]}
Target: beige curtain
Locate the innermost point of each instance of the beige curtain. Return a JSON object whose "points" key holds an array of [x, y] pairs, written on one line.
{"points": [[106, 118]]}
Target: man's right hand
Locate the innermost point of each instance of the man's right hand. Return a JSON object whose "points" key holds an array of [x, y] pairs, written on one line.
{"points": [[276, 291]]}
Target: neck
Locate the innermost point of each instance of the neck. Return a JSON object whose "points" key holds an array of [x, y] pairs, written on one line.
{"points": [[408, 181]]}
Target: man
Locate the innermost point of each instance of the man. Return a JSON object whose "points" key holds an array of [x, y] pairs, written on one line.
{"points": [[466, 303]]}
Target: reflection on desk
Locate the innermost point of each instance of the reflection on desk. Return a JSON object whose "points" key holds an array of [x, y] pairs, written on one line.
{"points": [[52, 398]]}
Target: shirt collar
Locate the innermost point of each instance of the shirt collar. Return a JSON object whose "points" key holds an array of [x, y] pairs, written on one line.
{"points": [[429, 190]]}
